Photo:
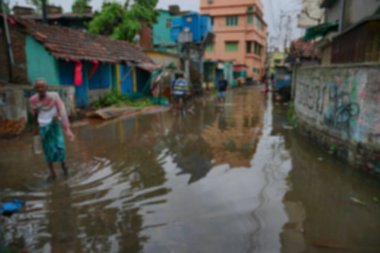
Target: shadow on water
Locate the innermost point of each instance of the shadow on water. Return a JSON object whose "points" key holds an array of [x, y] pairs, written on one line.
{"points": [[216, 178]]}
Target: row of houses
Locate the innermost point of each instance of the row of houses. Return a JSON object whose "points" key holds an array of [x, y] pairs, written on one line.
{"points": [[69, 57], [66, 55]]}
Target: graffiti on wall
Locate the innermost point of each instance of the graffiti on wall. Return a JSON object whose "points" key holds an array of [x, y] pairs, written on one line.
{"points": [[342, 101], [341, 110], [3, 104]]}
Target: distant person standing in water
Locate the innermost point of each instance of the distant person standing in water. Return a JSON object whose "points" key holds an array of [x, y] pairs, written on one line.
{"points": [[180, 91], [50, 118], [222, 89]]}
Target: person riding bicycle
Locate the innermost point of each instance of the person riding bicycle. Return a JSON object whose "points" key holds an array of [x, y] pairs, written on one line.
{"points": [[180, 90]]}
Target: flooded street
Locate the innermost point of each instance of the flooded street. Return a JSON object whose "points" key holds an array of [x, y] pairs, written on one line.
{"points": [[231, 178]]}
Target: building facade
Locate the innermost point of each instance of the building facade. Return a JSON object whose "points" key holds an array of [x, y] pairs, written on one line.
{"points": [[90, 64], [240, 34], [357, 39], [161, 35], [349, 12]]}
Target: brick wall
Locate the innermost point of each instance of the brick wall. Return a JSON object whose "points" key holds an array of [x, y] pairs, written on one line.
{"points": [[18, 46], [146, 37], [4, 70]]}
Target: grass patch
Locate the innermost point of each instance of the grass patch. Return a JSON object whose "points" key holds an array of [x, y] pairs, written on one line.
{"points": [[333, 149], [112, 98], [292, 117]]}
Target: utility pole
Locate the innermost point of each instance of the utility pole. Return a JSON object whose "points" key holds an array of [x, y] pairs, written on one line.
{"points": [[342, 14], [44, 11], [287, 32], [8, 41]]}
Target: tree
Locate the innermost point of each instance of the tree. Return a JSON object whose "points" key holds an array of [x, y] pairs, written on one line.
{"points": [[79, 6], [124, 21], [6, 5], [37, 4]]}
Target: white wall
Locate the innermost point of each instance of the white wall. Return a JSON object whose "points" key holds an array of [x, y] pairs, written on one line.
{"points": [[356, 10], [334, 12]]}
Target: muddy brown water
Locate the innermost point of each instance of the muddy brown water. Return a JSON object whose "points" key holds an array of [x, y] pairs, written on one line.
{"points": [[231, 178]]}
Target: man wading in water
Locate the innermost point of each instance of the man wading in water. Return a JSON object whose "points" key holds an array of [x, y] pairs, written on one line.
{"points": [[49, 118]]}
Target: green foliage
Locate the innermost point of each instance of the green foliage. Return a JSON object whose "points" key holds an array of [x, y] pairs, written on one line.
{"points": [[292, 118], [123, 22], [112, 98], [37, 4], [7, 8], [79, 6], [333, 149]]}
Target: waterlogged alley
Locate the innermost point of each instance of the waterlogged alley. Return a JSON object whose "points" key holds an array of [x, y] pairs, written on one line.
{"points": [[231, 178]]}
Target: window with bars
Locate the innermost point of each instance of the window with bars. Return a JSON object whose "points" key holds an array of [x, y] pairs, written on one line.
{"points": [[250, 18], [231, 46], [257, 22], [250, 15], [256, 71], [257, 48], [248, 47], [232, 20], [169, 23]]}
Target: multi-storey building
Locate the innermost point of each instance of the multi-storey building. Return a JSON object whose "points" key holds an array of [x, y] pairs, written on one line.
{"points": [[240, 33]]}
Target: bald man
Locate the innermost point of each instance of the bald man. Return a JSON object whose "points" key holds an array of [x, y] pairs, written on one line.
{"points": [[51, 121]]}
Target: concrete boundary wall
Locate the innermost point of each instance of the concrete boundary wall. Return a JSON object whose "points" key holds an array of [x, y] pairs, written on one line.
{"points": [[339, 106], [14, 100]]}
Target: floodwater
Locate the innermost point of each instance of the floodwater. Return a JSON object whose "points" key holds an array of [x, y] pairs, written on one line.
{"points": [[233, 178]]}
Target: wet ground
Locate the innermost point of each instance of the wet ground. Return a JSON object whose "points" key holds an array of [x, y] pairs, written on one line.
{"points": [[233, 178]]}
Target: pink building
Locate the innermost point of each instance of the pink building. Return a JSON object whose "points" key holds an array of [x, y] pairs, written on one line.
{"points": [[240, 33]]}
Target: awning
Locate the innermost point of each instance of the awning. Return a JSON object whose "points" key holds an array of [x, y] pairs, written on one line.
{"points": [[150, 67], [240, 68], [320, 31]]}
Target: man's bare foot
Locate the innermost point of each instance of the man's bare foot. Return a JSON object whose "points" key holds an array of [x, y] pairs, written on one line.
{"points": [[65, 171], [51, 178]]}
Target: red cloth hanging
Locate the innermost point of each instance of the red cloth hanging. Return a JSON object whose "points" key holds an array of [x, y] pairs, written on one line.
{"points": [[94, 68], [78, 74]]}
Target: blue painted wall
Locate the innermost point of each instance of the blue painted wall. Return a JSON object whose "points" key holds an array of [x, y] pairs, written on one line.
{"points": [[126, 79], [199, 26], [102, 79], [66, 76]]}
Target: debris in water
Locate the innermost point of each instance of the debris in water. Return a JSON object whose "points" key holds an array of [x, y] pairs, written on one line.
{"points": [[321, 159], [287, 127], [375, 199], [10, 208], [358, 201], [111, 112], [329, 245]]}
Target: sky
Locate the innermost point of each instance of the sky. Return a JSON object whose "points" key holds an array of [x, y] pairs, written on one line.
{"points": [[273, 10]]}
